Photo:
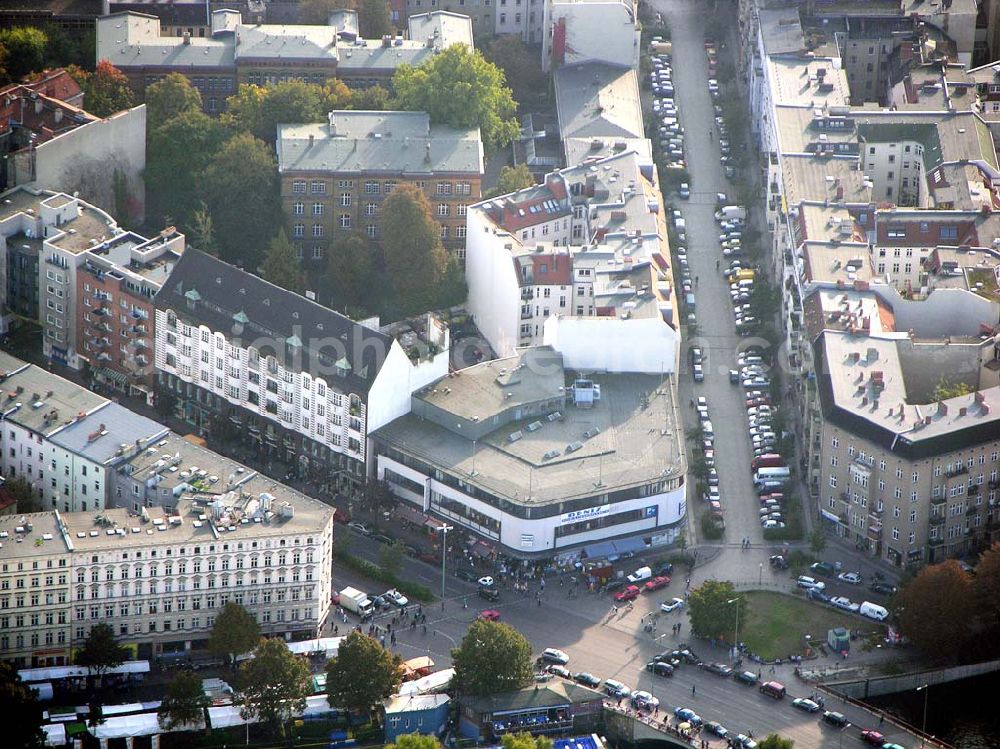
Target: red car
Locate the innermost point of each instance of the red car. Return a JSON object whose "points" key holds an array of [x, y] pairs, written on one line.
{"points": [[657, 582], [872, 737], [490, 615], [629, 594]]}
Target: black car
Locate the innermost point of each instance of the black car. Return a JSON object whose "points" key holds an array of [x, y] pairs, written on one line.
{"points": [[779, 562], [660, 668], [615, 585], [746, 677], [689, 656], [384, 539], [469, 576], [673, 657], [490, 594], [665, 569], [720, 669], [588, 680], [836, 719], [883, 588]]}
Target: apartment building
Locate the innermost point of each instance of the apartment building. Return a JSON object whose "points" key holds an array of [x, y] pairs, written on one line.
{"points": [[579, 258], [574, 32], [62, 438], [336, 175], [160, 576], [236, 52], [539, 462], [51, 142], [293, 380], [115, 314]]}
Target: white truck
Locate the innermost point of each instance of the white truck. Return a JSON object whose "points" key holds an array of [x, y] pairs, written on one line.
{"points": [[357, 602], [729, 212]]}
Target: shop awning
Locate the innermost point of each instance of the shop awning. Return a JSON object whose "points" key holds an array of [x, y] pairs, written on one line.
{"points": [[410, 514], [105, 373], [481, 549], [435, 523], [598, 550], [629, 545]]}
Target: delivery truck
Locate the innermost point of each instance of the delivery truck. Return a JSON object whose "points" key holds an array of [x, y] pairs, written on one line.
{"points": [[357, 602], [730, 212]]}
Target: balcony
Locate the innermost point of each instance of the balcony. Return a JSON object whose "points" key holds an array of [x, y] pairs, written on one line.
{"points": [[956, 471], [527, 294], [874, 533], [938, 501], [934, 542], [525, 313], [936, 520]]}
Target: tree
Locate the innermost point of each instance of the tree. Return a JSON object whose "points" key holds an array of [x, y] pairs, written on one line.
{"points": [[362, 674], [318, 12], [24, 494], [415, 260], [352, 273], [177, 152], [711, 613], [986, 590], [493, 658], [184, 702], [101, 650], [459, 87], [281, 264], [25, 47], [511, 179], [259, 111], [415, 741], [525, 741], [107, 90], [23, 726], [374, 18], [390, 557], [936, 608], [774, 741], [273, 685], [240, 188], [202, 231], [817, 541], [169, 97], [371, 99], [520, 66], [235, 632], [946, 389]]}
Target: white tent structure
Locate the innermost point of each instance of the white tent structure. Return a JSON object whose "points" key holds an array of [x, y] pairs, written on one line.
{"points": [[65, 672], [224, 716], [144, 724], [55, 734], [434, 682], [326, 645]]}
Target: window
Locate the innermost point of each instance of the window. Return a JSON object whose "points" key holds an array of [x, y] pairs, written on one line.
{"points": [[317, 209], [949, 232], [371, 188], [298, 187], [317, 188], [345, 199], [345, 221], [317, 230], [298, 208], [370, 231], [298, 231], [442, 209], [371, 209]]}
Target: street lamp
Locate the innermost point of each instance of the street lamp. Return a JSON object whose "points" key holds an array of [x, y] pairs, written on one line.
{"points": [[926, 689], [736, 634], [444, 555]]}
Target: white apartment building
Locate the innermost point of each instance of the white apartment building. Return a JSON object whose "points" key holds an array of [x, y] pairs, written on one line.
{"points": [[63, 439], [292, 378], [579, 31], [576, 259], [158, 578]]}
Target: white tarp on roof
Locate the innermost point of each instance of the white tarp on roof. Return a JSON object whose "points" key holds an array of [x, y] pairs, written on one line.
{"points": [[55, 734], [430, 683], [65, 672], [326, 645], [316, 704], [145, 724]]}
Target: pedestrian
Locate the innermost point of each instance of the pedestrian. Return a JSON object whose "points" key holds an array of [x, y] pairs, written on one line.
{"points": [[393, 639], [539, 602], [881, 719], [693, 689], [335, 630], [758, 675], [614, 609]]}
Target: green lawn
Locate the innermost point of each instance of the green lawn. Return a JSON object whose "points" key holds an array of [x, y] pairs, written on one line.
{"points": [[778, 623]]}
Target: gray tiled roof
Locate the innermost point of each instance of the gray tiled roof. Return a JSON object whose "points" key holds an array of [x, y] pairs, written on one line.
{"points": [[86, 437]]}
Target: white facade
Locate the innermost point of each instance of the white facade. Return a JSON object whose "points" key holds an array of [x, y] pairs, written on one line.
{"points": [[609, 344], [896, 171], [521, 17], [539, 535], [494, 288]]}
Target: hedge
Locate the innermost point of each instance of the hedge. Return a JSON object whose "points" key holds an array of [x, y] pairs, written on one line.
{"points": [[373, 571]]}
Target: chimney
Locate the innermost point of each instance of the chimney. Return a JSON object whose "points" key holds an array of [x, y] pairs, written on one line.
{"points": [[58, 115], [427, 152], [312, 140], [187, 37], [942, 409], [332, 118], [39, 105]]}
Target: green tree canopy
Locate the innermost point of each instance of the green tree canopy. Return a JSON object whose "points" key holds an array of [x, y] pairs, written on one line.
{"points": [[511, 179], [184, 703], [177, 152], [371, 99], [415, 260], [317, 12], [25, 47], [259, 110], [101, 650], [169, 97], [202, 231], [235, 632], [24, 494], [415, 741], [459, 87], [986, 592], [946, 389], [520, 65], [240, 188], [374, 18], [352, 274], [273, 685], [711, 614], [936, 608], [817, 541], [23, 725], [362, 674], [492, 658], [281, 264], [107, 90], [525, 740], [774, 741]]}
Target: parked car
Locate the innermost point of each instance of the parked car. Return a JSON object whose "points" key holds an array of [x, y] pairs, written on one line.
{"points": [[746, 677], [779, 562], [844, 603], [719, 669], [804, 581], [485, 582], [559, 671], [853, 578], [883, 588], [875, 738], [490, 594], [672, 605], [688, 715], [660, 668], [616, 688], [630, 593], [644, 701], [394, 596], [361, 528], [554, 655], [660, 581], [489, 615], [469, 576], [836, 719], [804, 703], [587, 679], [716, 728]]}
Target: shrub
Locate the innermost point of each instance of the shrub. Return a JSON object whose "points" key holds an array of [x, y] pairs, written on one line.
{"points": [[373, 571], [709, 529]]}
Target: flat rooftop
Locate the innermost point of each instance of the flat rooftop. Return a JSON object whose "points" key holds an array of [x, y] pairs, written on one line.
{"points": [[830, 263], [104, 434], [633, 440], [820, 178], [43, 402], [796, 80], [177, 462]]}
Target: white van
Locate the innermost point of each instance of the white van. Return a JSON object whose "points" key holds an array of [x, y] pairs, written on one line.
{"points": [[643, 573], [873, 611], [772, 473], [707, 429]]}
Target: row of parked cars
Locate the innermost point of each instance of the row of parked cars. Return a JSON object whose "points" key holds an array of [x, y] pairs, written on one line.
{"points": [[712, 53], [712, 496], [669, 133]]}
